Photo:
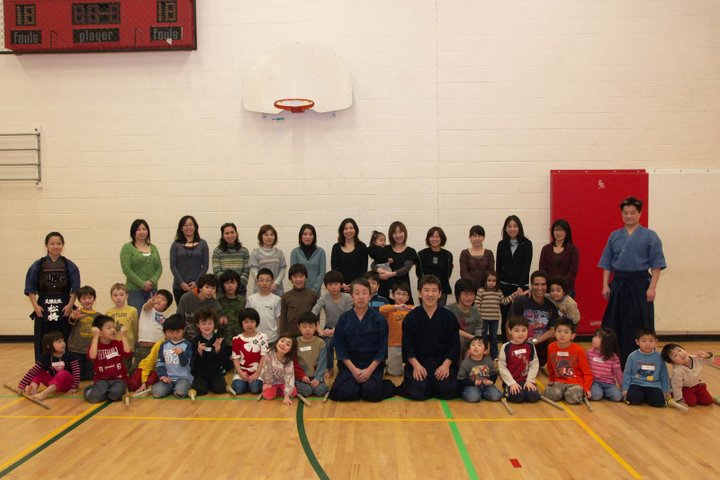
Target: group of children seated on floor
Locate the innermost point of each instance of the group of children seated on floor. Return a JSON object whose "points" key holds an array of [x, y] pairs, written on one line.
{"points": [[190, 352]]}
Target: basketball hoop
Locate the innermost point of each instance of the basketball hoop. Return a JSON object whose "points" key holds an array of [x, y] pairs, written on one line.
{"points": [[294, 105]]}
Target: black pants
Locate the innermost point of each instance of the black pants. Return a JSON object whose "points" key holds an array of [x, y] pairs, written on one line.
{"points": [[628, 309], [446, 389]]}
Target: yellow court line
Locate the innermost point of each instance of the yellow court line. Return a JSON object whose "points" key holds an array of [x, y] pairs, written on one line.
{"points": [[47, 437], [336, 419], [602, 443], [199, 419], [10, 404], [438, 420], [37, 416]]}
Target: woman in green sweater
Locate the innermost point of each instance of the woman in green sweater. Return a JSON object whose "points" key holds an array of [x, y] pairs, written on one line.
{"points": [[141, 264]]}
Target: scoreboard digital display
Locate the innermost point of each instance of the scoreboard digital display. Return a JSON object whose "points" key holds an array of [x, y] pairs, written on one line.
{"points": [[61, 26]]}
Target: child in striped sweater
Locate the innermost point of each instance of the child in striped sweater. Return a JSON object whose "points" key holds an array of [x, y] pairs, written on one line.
{"points": [[604, 360], [55, 369], [488, 300]]}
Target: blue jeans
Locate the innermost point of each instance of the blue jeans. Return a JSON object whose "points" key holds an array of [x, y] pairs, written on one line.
{"points": [[475, 393], [600, 390], [490, 328], [137, 299], [242, 386], [306, 390], [179, 387]]}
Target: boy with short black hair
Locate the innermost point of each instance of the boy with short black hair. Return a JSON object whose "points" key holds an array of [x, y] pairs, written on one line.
{"points": [[232, 303], [299, 299], [478, 373], [81, 319], [311, 358], [395, 314], [173, 363], [645, 377], [376, 300], [568, 368], [208, 356], [267, 304], [150, 325], [193, 301], [107, 353], [466, 313], [518, 363], [335, 302]]}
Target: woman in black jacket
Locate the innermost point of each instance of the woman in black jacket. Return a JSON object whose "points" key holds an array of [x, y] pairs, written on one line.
{"points": [[514, 254]]}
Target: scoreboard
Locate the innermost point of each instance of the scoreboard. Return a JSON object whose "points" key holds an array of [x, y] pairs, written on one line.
{"points": [[61, 26]]}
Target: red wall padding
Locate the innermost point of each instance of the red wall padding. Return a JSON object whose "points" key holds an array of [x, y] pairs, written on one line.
{"points": [[589, 200]]}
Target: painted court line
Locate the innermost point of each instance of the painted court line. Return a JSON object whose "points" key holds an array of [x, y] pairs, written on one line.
{"points": [[14, 402], [196, 419], [49, 439], [599, 440], [305, 443], [602, 443], [467, 461], [38, 416], [437, 420]]}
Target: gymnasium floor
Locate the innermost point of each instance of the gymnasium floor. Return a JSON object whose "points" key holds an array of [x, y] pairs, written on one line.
{"points": [[223, 437]]}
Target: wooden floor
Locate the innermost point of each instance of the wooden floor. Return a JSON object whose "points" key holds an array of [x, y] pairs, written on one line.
{"points": [[223, 437]]}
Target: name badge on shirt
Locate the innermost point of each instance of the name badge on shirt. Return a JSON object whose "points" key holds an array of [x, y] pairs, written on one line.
{"points": [[563, 354], [648, 369], [520, 351], [305, 349], [208, 349], [598, 360], [58, 365]]}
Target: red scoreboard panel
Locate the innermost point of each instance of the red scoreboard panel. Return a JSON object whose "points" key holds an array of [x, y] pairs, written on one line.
{"points": [[60, 26]]}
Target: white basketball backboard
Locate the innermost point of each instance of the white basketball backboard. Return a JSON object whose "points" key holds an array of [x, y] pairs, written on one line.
{"points": [[297, 71]]}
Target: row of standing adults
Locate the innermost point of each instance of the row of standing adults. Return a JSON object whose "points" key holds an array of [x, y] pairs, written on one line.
{"points": [[51, 280]]}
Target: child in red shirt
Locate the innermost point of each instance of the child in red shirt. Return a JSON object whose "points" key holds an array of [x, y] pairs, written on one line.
{"points": [[107, 354], [568, 369]]}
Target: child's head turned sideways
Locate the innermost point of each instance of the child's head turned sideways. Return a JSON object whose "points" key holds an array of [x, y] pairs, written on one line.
{"points": [[558, 288], [675, 354]]}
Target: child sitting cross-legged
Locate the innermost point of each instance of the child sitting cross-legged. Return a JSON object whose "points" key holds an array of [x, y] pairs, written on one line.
{"points": [[107, 354], [477, 373], [173, 363], [208, 355], [568, 369]]}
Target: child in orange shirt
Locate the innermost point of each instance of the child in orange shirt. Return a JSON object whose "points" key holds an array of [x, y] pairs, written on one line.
{"points": [[568, 369], [394, 314]]}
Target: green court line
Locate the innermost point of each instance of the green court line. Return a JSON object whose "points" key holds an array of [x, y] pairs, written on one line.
{"points": [[322, 475], [469, 467], [52, 440]]}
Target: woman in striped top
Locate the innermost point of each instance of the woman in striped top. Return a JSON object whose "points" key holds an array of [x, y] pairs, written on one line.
{"points": [[231, 255]]}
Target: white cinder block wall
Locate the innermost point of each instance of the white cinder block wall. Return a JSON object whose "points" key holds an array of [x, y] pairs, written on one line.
{"points": [[460, 110]]}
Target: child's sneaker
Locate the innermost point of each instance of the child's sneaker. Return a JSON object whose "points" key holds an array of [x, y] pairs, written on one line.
{"points": [[230, 390], [192, 394]]}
